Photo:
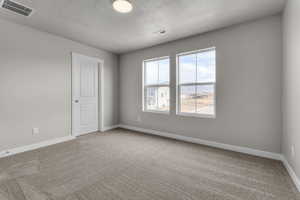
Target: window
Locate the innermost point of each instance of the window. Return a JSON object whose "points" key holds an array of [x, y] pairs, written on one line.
{"points": [[196, 83], [157, 85]]}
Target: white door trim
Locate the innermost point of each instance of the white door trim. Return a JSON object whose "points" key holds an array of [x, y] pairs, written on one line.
{"points": [[100, 88]]}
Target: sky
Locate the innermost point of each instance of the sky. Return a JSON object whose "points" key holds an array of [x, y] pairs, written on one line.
{"points": [[198, 67], [193, 68], [157, 72]]}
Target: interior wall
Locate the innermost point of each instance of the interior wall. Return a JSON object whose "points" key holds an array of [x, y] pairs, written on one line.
{"points": [[291, 84], [35, 85], [248, 90]]}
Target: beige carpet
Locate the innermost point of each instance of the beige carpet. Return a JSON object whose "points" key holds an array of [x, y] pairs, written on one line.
{"points": [[124, 165]]}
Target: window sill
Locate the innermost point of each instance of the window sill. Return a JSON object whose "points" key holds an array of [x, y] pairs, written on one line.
{"points": [[205, 116], [156, 112]]}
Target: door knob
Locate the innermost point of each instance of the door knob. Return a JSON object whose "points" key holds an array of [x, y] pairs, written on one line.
{"points": [[76, 101]]}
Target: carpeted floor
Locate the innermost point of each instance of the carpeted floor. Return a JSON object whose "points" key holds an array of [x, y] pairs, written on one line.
{"points": [[125, 165]]}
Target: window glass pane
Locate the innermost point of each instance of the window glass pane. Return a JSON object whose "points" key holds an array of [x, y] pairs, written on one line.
{"points": [[164, 71], [151, 98], [206, 66], [187, 68], [188, 99], [157, 74], [163, 98], [205, 99], [151, 72]]}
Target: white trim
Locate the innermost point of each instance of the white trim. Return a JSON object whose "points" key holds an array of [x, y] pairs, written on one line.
{"points": [[100, 92], [196, 51], [88, 57], [156, 58], [178, 85], [246, 150], [291, 172], [144, 87], [208, 116], [104, 129], [101, 95], [31, 147], [197, 84], [157, 112]]}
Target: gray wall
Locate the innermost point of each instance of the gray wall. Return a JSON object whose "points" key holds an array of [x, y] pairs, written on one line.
{"points": [[35, 85], [249, 65], [291, 83]]}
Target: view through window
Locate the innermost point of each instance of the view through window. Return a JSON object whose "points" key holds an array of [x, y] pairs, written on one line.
{"points": [[196, 82], [157, 84]]}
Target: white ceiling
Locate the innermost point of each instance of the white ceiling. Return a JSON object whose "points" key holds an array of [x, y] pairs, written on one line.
{"points": [[94, 22]]}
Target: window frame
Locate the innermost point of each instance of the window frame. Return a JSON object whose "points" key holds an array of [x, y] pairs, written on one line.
{"points": [[144, 87], [178, 85]]}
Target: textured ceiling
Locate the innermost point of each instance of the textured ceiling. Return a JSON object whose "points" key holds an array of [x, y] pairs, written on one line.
{"points": [[95, 23]]}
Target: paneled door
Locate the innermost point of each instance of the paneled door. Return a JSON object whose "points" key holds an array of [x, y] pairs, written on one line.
{"points": [[85, 81]]}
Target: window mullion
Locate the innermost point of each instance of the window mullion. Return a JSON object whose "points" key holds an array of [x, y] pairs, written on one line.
{"points": [[145, 72], [196, 85], [191, 84], [155, 87], [145, 98], [159, 85], [196, 88], [179, 98], [157, 107]]}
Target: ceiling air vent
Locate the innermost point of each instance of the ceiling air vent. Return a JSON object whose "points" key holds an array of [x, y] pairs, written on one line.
{"points": [[16, 7]]}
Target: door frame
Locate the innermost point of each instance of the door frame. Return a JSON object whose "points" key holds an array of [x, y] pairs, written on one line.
{"points": [[100, 89]]}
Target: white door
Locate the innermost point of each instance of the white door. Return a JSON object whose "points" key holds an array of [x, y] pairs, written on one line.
{"points": [[84, 94]]}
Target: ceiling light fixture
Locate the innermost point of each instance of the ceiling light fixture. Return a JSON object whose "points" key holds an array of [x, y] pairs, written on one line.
{"points": [[122, 6]]}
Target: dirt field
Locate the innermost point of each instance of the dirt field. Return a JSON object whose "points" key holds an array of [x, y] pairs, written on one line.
{"points": [[203, 104]]}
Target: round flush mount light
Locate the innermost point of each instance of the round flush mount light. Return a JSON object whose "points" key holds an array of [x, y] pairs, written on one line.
{"points": [[122, 6]]}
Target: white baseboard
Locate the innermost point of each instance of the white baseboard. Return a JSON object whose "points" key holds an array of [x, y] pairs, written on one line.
{"points": [[18, 150], [265, 154], [31, 147], [245, 150], [109, 128], [291, 172]]}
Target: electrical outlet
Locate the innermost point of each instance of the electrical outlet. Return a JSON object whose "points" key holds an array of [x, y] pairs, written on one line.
{"points": [[293, 151], [35, 131], [138, 118]]}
